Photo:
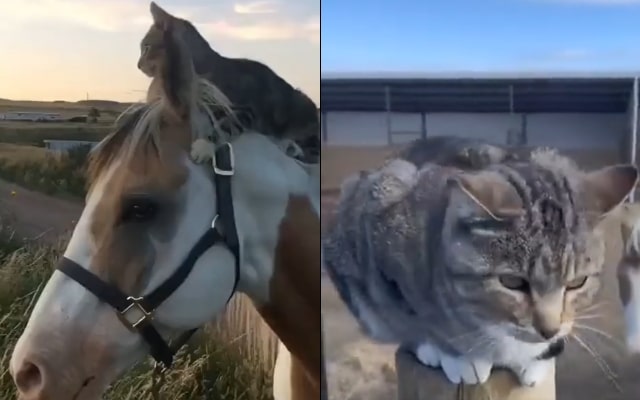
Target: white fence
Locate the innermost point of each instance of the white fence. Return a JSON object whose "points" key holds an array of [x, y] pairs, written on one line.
{"points": [[30, 116], [62, 146]]}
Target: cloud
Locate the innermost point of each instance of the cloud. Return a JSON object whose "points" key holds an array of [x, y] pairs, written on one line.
{"points": [[256, 7], [277, 30], [113, 15], [252, 21]]}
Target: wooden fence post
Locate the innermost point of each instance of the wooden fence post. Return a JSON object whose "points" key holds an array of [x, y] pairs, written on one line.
{"points": [[418, 382]]}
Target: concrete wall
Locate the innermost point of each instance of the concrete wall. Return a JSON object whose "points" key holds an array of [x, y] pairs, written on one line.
{"points": [[565, 131], [357, 141]]}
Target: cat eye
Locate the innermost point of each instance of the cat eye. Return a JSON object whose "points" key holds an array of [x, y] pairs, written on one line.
{"points": [[577, 283], [145, 49], [513, 282]]}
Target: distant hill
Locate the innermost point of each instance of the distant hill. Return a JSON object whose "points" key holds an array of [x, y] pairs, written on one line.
{"points": [[103, 104]]}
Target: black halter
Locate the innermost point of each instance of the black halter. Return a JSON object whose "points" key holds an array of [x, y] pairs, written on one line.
{"points": [[136, 313]]}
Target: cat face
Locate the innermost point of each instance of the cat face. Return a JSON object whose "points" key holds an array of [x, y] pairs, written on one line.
{"points": [[523, 250], [151, 52]]}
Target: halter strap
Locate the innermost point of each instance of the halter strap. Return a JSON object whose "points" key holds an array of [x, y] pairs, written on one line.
{"points": [[145, 306]]}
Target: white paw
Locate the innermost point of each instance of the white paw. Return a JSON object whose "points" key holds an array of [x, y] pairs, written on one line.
{"points": [[202, 150], [535, 373], [428, 355], [457, 370]]}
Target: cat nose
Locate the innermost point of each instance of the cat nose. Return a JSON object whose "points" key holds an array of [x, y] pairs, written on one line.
{"points": [[548, 332]]}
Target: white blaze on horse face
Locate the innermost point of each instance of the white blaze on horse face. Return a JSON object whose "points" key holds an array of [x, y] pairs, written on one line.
{"points": [[66, 315]]}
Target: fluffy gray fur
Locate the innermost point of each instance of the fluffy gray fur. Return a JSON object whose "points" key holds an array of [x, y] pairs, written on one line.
{"points": [[418, 260]]}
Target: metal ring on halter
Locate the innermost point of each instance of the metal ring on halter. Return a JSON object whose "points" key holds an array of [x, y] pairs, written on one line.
{"points": [[221, 171], [215, 219]]}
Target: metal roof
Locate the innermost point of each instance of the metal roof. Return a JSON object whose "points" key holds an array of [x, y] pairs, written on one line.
{"points": [[478, 92]]}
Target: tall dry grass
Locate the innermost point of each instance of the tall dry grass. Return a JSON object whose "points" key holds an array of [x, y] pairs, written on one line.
{"points": [[229, 360], [51, 173]]}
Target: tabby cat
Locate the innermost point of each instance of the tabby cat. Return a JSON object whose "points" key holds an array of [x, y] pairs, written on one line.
{"points": [[474, 268], [275, 107]]}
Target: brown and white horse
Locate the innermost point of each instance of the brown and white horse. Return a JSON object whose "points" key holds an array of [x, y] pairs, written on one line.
{"points": [[147, 207]]}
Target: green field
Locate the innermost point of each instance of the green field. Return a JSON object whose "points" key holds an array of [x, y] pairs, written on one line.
{"points": [[33, 133], [23, 159]]}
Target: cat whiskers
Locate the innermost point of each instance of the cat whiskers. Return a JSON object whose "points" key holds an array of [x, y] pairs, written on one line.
{"points": [[600, 361], [596, 306]]}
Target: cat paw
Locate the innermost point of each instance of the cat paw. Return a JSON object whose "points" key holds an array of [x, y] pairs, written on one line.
{"points": [[202, 150], [428, 355], [457, 370], [535, 373]]}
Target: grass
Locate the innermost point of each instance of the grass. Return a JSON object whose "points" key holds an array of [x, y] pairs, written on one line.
{"points": [[40, 170], [219, 367]]}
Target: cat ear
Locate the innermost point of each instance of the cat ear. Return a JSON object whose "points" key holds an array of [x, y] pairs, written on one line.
{"points": [[608, 187], [177, 75], [485, 195], [161, 18]]}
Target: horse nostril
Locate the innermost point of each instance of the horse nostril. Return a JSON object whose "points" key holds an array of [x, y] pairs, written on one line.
{"points": [[29, 378]]}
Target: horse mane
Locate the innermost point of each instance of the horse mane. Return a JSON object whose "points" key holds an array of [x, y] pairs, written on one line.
{"points": [[139, 125]]}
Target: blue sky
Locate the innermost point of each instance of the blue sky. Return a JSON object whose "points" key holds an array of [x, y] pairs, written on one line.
{"points": [[480, 35]]}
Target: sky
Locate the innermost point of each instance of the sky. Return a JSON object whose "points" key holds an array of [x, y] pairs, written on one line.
{"points": [[480, 35], [74, 49]]}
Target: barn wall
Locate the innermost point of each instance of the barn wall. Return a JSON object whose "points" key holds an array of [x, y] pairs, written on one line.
{"points": [[357, 140], [567, 131]]}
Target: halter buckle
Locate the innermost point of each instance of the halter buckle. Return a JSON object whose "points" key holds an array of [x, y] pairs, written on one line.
{"points": [[221, 171], [144, 317]]}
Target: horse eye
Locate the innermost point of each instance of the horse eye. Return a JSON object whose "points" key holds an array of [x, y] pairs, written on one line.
{"points": [[513, 282], [139, 210], [577, 283]]}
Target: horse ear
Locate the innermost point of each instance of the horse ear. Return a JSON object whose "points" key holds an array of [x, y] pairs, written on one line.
{"points": [[161, 18], [177, 75]]}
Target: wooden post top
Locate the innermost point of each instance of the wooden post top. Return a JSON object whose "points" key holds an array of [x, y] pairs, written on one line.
{"points": [[418, 382]]}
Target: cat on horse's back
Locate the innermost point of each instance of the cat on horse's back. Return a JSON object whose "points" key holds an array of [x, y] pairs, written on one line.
{"points": [[277, 109]]}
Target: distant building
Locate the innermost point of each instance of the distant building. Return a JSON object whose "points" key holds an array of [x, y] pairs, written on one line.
{"points": [[572, 111], [62, 146], [591, 117], [30, 116]]}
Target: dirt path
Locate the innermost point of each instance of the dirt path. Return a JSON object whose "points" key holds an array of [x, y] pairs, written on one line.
{"points": [[36, 215]]}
